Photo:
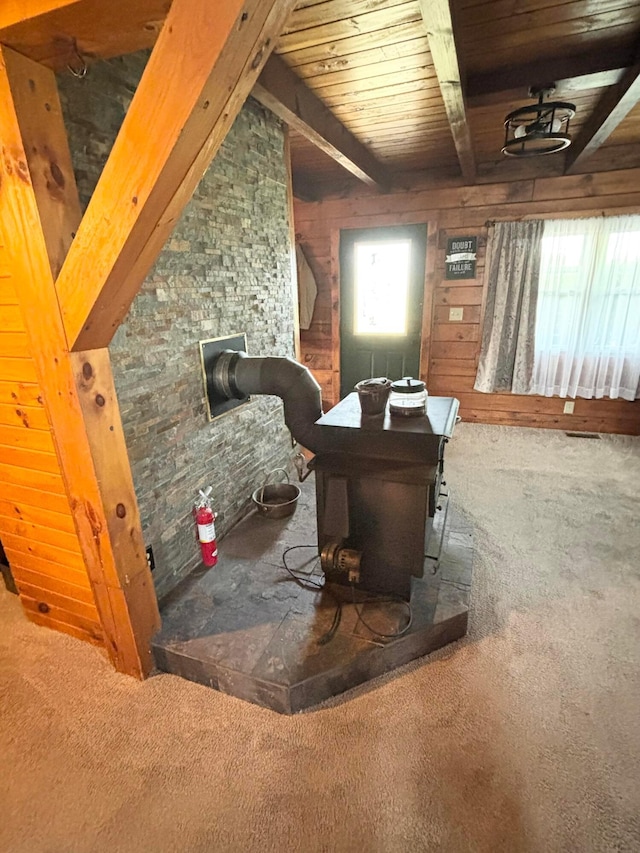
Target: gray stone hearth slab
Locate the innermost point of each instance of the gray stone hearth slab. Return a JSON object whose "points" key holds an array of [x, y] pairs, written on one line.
{"points": [[244, 628]]}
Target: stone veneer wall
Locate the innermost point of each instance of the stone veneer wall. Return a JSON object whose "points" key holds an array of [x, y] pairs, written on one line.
{"points": [[225, 270]]}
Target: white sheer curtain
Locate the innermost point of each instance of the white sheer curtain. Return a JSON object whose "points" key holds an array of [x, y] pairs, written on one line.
{"points": [[587, 338]]}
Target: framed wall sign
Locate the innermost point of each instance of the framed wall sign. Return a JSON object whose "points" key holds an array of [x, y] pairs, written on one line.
{"points": [[460, 261]]}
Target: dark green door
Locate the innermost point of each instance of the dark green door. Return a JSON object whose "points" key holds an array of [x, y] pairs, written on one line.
{"points": [[381, 293]]}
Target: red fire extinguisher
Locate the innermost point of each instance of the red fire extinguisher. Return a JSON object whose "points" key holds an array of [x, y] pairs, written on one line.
{"points": [[205, 518]]}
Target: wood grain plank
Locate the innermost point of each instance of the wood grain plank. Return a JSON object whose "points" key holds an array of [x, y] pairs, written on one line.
{"points": [[13, 475], [29, 460], [340, 50], [456, 332], [355, 63], [403, 68], [463, 282], [32, 417], [585, 187], [7, 291], [14, 345], [446, 367], [564, 422], [26, 530], [454, 349], [11, 319], [449, 385], [552, 406], [17, 370], [21, 561], [305, 15], [11, 506], [56, 613], [14, 12], [459, 296], [32, 498], [57, 585], [548, 22], [93, 635], [317, 361], [52, 600], [608, 206], [16, 545], [474, 200], [378, 85], [367, 23], [20, 393], [27, 438]]}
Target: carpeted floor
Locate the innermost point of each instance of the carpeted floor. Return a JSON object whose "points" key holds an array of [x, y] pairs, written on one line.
{"points": [[523, 737]]}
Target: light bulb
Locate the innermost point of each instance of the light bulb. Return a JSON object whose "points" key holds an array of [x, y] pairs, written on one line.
{"points": [[520, 131]]}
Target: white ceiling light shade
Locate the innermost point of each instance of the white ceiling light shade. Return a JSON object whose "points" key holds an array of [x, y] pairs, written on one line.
{"points": [[536, 129]]}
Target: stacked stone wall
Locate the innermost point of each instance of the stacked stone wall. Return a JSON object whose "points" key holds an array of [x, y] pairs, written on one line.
{"points": [[225, 270]]}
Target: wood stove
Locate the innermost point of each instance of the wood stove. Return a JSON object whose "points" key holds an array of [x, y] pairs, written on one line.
{"points": [[378, 478], [378, 489]]}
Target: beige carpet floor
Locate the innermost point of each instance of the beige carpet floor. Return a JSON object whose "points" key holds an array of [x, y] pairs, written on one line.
{"points": [[523, 737]]}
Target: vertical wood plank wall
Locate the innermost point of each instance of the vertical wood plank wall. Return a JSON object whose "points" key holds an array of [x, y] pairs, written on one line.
{"points": [[455, 346], [36, 525]]}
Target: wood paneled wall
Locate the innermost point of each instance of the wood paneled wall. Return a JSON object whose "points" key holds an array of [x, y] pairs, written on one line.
{"points": [[451, 349], [36, 525]]}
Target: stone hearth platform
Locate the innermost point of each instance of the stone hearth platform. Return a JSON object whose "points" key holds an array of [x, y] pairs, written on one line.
{"points": [[244, 628]]}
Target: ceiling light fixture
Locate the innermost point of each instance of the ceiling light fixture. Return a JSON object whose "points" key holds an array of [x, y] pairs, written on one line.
{"points": [[541, 128]]}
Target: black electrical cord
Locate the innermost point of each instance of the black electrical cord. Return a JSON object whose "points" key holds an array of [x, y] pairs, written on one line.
{"points": [[396, 600], [307, 583]]}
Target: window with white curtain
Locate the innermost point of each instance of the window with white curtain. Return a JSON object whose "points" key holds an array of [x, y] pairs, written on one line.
{"points": [[587, 339]]}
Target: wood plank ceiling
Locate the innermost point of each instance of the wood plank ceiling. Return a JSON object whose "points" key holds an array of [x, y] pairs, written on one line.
{"points": [[392, 92]]}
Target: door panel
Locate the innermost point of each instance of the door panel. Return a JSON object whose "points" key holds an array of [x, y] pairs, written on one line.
{"points": [[382, 285]]}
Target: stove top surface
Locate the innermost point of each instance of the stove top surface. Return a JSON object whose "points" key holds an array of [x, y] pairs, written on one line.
{"points": [[439, 420]]}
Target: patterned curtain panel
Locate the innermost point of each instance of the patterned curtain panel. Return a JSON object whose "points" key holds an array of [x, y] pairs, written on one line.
{"points": [[507, 354]]}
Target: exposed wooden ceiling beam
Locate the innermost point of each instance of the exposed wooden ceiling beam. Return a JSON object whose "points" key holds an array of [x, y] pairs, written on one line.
{"points": [[95, 29], [582, 71], [285, 94], [439, 25], [42, 128], [564, 89], [17, 11], [611, 109], [39, 206], [206, 59]]}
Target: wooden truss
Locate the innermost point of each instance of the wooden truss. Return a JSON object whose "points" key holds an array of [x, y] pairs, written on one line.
{"points": [[77, 275]]}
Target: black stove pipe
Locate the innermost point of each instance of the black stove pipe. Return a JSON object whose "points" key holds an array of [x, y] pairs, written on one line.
{"points": [[237, 375]]}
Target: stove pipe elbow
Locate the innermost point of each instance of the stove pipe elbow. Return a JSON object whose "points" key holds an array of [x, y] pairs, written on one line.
{"points": [[237, 375]]}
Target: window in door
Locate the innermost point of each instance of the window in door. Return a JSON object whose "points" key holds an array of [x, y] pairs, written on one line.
{"points": [[381, 291], [382, 287]]}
